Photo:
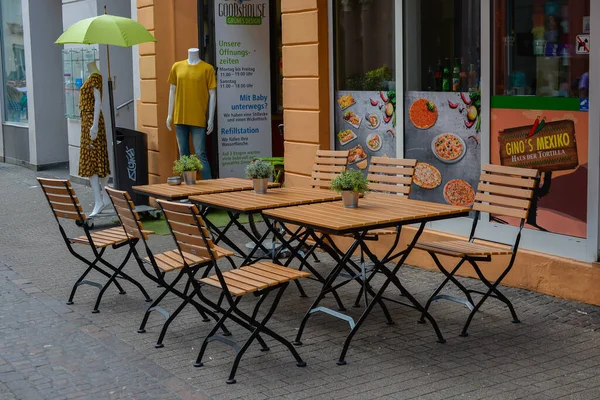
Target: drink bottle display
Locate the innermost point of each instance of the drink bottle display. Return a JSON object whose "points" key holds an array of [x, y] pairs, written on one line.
{"points": [[472, 78], [456, 76], [446, 80], [438, 75]]}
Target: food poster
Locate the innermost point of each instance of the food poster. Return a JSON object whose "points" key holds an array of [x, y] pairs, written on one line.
{"points": [[365, 125], [442, 133], [556, 143]]}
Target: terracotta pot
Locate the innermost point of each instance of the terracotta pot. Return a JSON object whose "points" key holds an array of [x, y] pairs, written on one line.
{"points": [[260, 185], [189, 177], [350, 199]]}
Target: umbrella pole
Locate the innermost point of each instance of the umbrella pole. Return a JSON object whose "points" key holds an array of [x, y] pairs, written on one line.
{"points": [[113, 126]]}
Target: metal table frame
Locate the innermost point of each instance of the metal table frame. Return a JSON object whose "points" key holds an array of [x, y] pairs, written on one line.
{"points": [[322, 236], [277, 230]]}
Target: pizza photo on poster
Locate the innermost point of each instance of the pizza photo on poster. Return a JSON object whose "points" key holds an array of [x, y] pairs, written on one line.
{"points": [[365, 125], [555, 143], [441, 131]]}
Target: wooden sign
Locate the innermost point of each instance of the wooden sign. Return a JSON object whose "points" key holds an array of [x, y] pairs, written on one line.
{"points": [[553, 148]]}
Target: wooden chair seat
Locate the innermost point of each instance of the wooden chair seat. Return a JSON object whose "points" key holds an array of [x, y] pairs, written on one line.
{"points": [[460, 249], [104, 238], [171, 260], [255, 277]]}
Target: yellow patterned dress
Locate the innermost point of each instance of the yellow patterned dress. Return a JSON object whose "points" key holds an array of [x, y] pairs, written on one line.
{"points": [[93, 154]]}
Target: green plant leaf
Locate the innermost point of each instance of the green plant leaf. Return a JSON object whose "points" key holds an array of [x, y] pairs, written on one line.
{"points": [[352, 180]]}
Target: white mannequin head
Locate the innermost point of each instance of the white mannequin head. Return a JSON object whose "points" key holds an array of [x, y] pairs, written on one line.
{"points": [[193, 56], [92, 67]]}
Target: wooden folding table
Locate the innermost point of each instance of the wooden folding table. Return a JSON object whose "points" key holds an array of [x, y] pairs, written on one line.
{"points": [[376, 211], [251, 203], [180, 192]]}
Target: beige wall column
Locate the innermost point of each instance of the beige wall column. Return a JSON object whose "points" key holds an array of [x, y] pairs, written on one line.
{"points": [[174, 25], [305, 86]]}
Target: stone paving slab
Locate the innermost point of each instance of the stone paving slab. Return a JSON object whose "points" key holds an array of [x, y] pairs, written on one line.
{"points": [[553, 353]]}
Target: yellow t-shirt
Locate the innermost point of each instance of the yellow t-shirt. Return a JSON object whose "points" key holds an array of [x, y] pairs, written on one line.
{"points": [[191, 97]]}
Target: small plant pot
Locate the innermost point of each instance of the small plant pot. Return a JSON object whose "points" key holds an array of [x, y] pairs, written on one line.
{"points": [[189, 177], [350, 199], [174, 180], [260, 185]]}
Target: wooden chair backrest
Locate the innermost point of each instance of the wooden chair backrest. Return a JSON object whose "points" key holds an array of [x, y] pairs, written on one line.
{"points": [[62, 199], [188, 229], [391, 175], [505, 191], [328, 164], [130, 220]]}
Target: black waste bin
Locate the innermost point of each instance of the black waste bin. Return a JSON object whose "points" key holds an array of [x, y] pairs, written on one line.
{"points": [[132, 152]]}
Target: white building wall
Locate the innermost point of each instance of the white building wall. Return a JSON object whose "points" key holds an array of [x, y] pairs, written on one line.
{"points": [[45, 100]]}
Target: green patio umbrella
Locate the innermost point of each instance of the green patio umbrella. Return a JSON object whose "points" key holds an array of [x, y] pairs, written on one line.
{"points": [[109, 30]]}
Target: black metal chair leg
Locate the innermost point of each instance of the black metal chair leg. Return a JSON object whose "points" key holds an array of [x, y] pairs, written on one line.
{"points": [[445, 281], [168, 289], [76, 285], [210, 335], [127, 277], [492, 288], [159, 344], [279, 338]]}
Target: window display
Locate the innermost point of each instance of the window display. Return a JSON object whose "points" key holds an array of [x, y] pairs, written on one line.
{"points": [[365, 109], [539, 113], [541, 48], [13, 66], [442, 100]]}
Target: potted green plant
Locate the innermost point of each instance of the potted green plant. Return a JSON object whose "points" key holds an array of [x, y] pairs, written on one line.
{"points": [[187, 166], [351, 184], [260, 172]]}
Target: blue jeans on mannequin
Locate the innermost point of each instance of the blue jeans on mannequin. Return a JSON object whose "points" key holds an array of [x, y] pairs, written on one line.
{"points": [[199, 140]]}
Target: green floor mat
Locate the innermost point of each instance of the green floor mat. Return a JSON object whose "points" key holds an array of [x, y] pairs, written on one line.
{"points": [[217, 217]]}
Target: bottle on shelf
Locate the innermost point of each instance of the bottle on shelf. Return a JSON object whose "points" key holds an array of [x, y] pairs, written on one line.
{"points": [[472, 78], [456, 76], [439, 75], [446, 78], [464, 77], [431, 80]]}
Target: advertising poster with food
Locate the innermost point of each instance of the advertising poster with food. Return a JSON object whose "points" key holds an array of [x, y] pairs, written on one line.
{"points": [[365, 125], [556, 143], [442, 133]]}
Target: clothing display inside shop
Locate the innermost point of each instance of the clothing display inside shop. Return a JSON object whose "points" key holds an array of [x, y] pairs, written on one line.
{"points": [[192, 103], [93, 158]]}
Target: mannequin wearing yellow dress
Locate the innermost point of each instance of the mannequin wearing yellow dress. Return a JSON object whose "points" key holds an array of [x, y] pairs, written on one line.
{"points": [[93, 153]]}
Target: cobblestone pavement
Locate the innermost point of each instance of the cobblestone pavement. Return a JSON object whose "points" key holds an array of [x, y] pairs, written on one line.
{"points": [[50, 350]]}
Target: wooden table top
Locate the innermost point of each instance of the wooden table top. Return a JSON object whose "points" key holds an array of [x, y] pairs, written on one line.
{"points": [[374, 211], [178, 192], [248, 201]]}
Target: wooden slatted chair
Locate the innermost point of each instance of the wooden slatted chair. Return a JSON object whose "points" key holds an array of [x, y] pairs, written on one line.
{"points": [[65, 205], [390, 176], [162, 264], [504, 191], [261, 278], [328, 164]]}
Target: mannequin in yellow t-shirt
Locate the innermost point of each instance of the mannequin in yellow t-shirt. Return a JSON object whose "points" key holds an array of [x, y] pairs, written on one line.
{"points": [[193, 92]]}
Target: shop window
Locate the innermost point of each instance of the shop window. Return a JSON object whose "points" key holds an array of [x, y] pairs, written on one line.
{"points": [[365, 45], [365, 97], [541, 48], [539, 113], [13, 61], [442, 98]]}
